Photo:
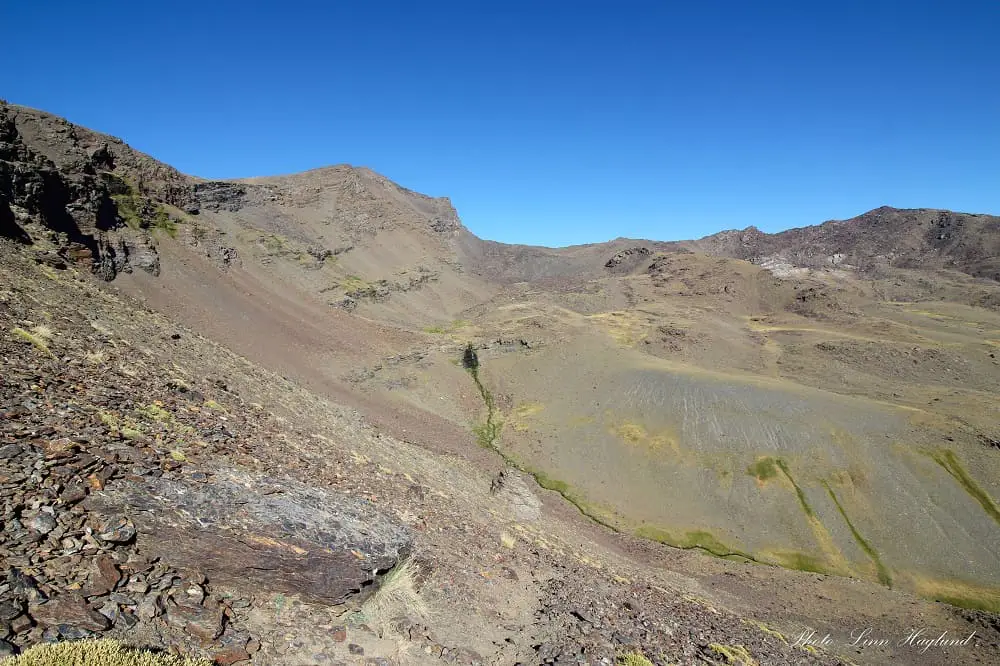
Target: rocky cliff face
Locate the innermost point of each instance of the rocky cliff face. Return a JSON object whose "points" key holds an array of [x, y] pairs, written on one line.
{"points": [[96, 201]]}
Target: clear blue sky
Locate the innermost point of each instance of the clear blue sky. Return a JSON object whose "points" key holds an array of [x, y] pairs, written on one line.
{"points": [[548, 122]]}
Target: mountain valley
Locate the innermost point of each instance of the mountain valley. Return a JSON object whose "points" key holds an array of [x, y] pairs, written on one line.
{"points": [[693, 450]]}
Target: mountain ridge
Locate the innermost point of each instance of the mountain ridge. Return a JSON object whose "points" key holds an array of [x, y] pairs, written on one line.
{"points": [[953, 240]]}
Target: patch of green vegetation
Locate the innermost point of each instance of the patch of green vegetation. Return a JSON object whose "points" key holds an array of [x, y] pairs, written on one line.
{"points": [[695, 539], [110, 420], [139, 213], [487, 433], [105, 652], [783, 466], [163, 222], [129, 208], [36, 340], [971, 603], [213, 405], [549, 483], [355, 283], [154, 412], [800, 562], [767, 629], [883, 572], [633, 659], [764, 469], [733, 654], [595, 513], [447, 328], [949, 461], [178, 455], [655, 534], [272, 242], [130, 431]]}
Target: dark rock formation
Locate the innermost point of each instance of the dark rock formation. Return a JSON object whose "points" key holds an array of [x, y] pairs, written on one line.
{"points": [[283, 536], [216, 196], [628, 257], [49, 177], [8, 224]]}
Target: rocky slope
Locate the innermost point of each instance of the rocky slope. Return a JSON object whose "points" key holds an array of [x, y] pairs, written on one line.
{"points": [[149, 495], [874, 242]]}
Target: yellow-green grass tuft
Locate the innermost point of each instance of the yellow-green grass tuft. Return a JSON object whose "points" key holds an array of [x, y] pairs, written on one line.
{"points": [[37, 339], [98, 653], [633, 659], [736, 655], [395, 598]]}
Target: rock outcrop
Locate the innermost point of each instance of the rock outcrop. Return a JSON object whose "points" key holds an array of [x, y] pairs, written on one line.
{"points": [[54, 179], [281, 536]]}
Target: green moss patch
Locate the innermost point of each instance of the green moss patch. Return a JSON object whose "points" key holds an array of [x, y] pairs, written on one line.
{"points": [[883, 572], [783, 466], [549, 483], [972, 603], [129, 208], [694, 539], [163, 222], [800, 562], [489, 432], [764, 469], [949, 461], [736, 655], [37, 341]]}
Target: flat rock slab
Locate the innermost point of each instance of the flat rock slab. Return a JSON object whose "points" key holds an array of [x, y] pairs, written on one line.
{"points": [[269, 534], [69, 609]]}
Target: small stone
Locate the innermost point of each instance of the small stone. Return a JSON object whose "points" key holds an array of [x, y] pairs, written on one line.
{"points": [[126, 619], [73, 494], [339, 634], [151, 606], [354, 648], [205, 623], [104, 576], [116, 530], [8, 451], [43, 523], [230, 655], [73, 633], [63, 447], [20, 624], [137, 586], [7, 650], [122, 599], [195, 594], [23, 586], [10, 609], [109, 610]]}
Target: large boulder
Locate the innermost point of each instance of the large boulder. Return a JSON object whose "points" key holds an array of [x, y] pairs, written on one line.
{"points": [[249, 532]]}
